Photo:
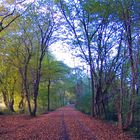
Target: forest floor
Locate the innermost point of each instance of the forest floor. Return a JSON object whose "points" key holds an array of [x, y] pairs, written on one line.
{"points": [[63, 124]]}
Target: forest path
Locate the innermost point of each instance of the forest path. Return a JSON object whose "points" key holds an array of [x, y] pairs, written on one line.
{"points": [[63, 124]]}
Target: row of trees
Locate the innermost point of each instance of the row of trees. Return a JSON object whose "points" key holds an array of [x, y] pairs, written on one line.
{"points": [[27, 66], [106, 36]]}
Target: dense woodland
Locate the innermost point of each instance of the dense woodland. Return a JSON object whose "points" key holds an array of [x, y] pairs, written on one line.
{"points": [[103, 34]]}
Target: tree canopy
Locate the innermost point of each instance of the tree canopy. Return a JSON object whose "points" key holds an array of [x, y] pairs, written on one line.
{"points": [[104, 35]]}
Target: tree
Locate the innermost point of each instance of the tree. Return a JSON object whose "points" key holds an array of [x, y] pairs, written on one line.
{"points": [[8, 78], [7, 87], [54, 71], [9, 12], [32, 42], [46, 30], [93, 35], [128, 15]]}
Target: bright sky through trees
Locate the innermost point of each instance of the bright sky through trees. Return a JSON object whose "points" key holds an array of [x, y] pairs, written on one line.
{"points": [[65, 55]]}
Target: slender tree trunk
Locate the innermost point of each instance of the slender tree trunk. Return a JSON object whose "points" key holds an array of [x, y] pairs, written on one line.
{"points": [[96, 105], [138, 83], [49, 83], [127, 23], [36, 89], [11, 102], [64, 98], [120, 99], [21, 104], [92, 90], [60, 99], [11, 106], [120, 126], [29, 105], [5, 98], [138, 71], [35, 104], [104, 108], [92, 81], [23, 73]]}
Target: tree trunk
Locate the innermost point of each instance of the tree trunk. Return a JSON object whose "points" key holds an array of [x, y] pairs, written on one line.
{"points": [[35, 105], [29, 105], [96, 104], [92, 91], [138, 71], [21, 105], [64, 98], [127, 23], [11, 106], [120, 126], [104, 108], [49, 83], [5, 98], [120, 99], [11, 102], [36, 89]]}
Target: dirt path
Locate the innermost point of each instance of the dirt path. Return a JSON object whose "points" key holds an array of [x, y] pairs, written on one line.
{"points": [[64, 124]]}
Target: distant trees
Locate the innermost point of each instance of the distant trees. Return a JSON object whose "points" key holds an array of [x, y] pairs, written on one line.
{"points": [[54, 72]]}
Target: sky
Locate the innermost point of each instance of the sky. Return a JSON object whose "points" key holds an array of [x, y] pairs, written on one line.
{"points": [[63, 53]]}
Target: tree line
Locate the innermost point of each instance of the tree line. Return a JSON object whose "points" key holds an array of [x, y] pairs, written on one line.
{"points": [[104, 34], [27, 65]]}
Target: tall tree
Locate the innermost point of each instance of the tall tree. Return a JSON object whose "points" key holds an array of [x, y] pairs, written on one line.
{"points": [[128, 15], [54, 71], [35, 37], [93, 35]]}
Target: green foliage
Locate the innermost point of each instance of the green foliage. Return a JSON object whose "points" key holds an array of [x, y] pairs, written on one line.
{"points": [[84, 103], [97, 29], [42, 98]]}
